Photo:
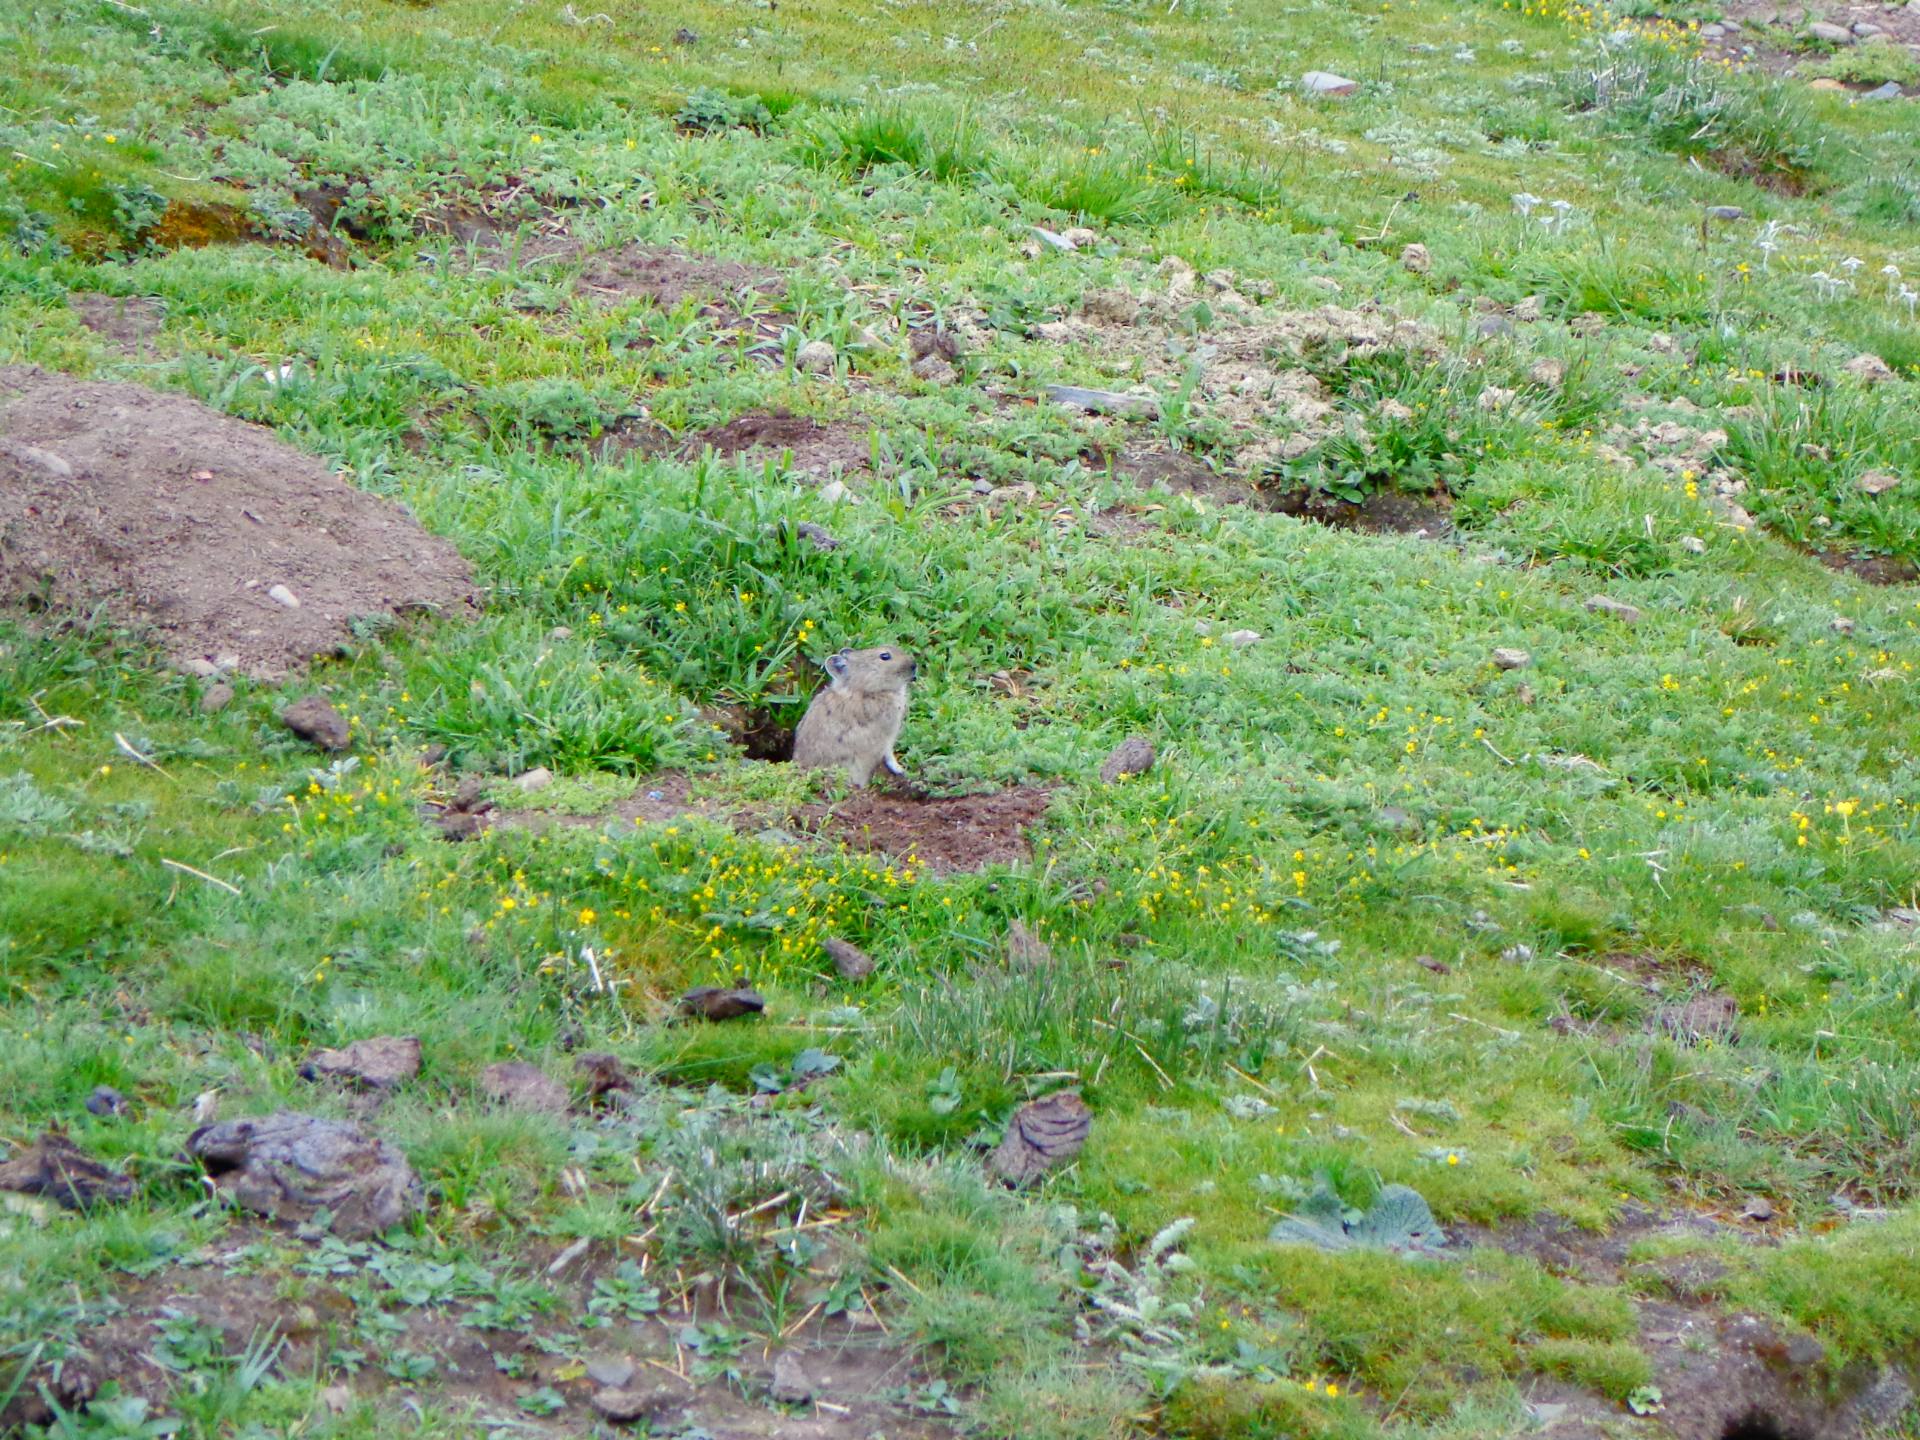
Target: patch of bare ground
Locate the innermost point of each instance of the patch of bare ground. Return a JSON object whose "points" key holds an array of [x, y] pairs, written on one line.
{"points": [[1762, 34], [817, 447], [1720, 1373], [1384, 512], [233, 549], [939, 833], [734, 296], [1153, 467], [128, 322], [856, 1373], [1874, 569]]}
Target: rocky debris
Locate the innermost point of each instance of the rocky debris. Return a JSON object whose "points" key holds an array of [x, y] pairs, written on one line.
{"points": [[467, 813], [290, 1166], [1051, 240], [1415, 260], [1877, 482], [816, 357], [380, 1062], [1510, 658], [1829, 33], [1133, 756], [1042, 1135], [850, 960], [710, 1002], [60, 1170], [1325, 82], [280, 594], [1588, 324], [533, 781], [1026, 950], [602, 1073], [318, 723], [1110, 307], [520, 1086], [1868, 369], [1104, 402], [610, 1372], [106, 1101], [215, 698], [1889, 91], [790, 1384], [1710, 1018], [1618, 609]]}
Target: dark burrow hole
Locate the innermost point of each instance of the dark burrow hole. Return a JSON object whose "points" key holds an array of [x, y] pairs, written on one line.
{"points": [[1757, 1424], [762, 733]]}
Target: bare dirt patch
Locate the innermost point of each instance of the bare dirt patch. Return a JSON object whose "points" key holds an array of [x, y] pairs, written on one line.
{"points": [[1719, 1374], [176, 519], [1153, 468], [1385, 512], [818, 447], [129, 321], [733, 295], [1874, 569], [945, 833]]}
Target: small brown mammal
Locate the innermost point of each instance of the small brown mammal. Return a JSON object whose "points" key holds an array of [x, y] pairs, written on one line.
{"points": [[854, 720]]}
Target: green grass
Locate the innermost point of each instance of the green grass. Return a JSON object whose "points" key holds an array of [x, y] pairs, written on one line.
{"points": [[1383, 911]]}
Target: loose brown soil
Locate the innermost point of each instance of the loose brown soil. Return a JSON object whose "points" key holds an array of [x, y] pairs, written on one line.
{"points": [[734, 296], [129, 321], [1385, 512], [818, 447], [176, 519], [1152, 468], [1719, 1373], [1874, 569]]}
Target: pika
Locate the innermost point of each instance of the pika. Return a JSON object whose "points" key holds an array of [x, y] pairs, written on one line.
{"points": [[854, 720]]}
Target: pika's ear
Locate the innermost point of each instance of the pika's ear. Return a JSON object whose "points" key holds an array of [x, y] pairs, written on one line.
{"points": [[836, 667]]}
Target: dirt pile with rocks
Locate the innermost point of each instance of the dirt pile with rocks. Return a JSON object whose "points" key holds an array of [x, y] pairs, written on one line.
{"points": [[231, 548]]}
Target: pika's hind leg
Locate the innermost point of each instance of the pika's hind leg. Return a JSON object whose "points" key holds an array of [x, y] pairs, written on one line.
{"points": [[894, 767]]}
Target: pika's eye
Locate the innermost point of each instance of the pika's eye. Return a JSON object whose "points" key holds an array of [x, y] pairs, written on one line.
{"points": [[886, 654]]}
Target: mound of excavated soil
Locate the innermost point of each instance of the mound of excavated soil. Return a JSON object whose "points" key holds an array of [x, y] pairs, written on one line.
{"points": [[199, 528]]}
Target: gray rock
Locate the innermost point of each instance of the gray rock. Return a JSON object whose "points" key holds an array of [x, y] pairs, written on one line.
{"points": [[521, 1086], [610, 1372], [790, 1385], [1830, 33], [1104, 402], [215, 698], [534, 780], [1888, 91], [1842, 624], [1884, 1401], [1325, 82], [1618, 609], [290, 1166], [281, 595], [317, 723], [1041, 1135], [1508, 658], [1866, 29], [623, 1406], [1713, 32], [1726, 213], [1053, 240], [1877, 482]]}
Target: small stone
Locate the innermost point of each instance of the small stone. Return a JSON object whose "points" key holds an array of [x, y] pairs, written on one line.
{"points": [[835, 492], [1548, 371], [815, 536], [1661, 343], [1727, 214], [1619, 609], [1524, 694], [710, 1002], [200, 668], [1110, 307], [290, 1166], [1509, 658], [1693, 545], [337, 1398], [215, 698], [317, 723], [1842, 624], [534, 780], [849, 959], [1713, 32], [1827, 82], [1241, 639], [935, 370], [226, 664], [1130, 757], [1877, 482], [1104, 402], [522, 1086], [610, 1372], [281, 595], [1868, 369], [1829, 33], [624, 1406], [1052, 240], [106, 1101], [1889, 91], [1587, 325], [1866, 29], [790, 1385], [1415, 260], [1325, 82]]}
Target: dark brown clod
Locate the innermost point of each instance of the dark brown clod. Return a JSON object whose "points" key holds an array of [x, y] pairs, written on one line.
{"points": [[1042, 1135], [317, 723], [850, 960], [1129, 757], [710, 1002], [55, 1167]]}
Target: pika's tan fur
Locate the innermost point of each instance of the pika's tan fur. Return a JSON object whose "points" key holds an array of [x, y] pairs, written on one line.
{"points": [[854, 720]]}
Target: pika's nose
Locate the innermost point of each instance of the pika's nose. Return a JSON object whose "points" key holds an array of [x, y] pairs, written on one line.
{"points": [[913, 668]]}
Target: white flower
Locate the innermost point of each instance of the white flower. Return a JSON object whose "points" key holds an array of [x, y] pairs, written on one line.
{"points": [[1524, 203]]}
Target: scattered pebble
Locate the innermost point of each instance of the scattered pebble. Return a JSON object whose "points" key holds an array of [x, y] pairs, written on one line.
{"points": [[380, 1062], [1104, 402], [290, 1166], [281, 595], [1241, 639], [610, 1371], [1877, 482], [43, 460], [1548, 371], [1842, 624], [1829, 32], [534, 780], [55, 1167], [1026, 950], [1693, 545], [1868, 369], [623, 1406]]}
